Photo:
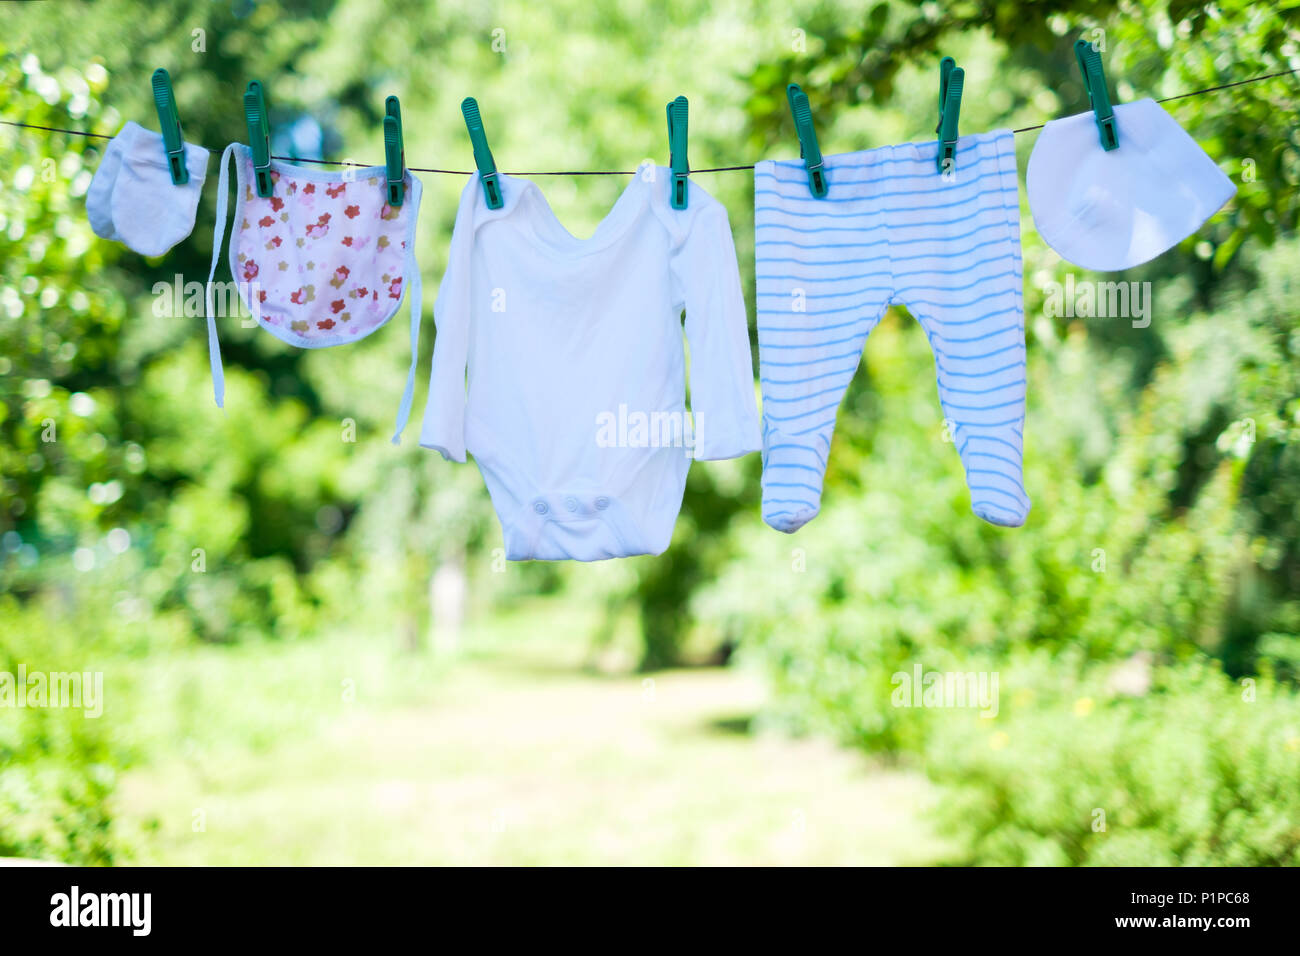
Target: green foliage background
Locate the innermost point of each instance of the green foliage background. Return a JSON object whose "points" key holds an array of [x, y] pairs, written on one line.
{"points": [[1145, 623]]}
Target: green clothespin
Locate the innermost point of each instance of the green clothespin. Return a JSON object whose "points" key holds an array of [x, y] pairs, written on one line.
{"points": [[487, 167], [394, 152], [809, 151], [678, 114], [259, 136], [170, 125], [951, 80], [1094, 78]]}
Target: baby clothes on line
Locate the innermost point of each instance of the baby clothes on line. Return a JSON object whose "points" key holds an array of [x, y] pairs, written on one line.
{"points": [[892, 231], [575, 410], [322, 261], [132, 198], [1112, 210]]}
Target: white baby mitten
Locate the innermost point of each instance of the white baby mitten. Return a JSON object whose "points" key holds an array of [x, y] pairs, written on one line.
{"points": [[132, 198], [99, 197], [1112, 210]]}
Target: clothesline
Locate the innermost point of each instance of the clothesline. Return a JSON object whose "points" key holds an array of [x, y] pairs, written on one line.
{"points": [[621, 172]]}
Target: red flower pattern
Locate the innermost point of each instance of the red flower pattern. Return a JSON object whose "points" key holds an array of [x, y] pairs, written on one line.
{"points": [[312, 267]]}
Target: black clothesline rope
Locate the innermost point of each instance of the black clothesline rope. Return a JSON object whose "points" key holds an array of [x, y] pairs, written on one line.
{"points": [[620, 172]]}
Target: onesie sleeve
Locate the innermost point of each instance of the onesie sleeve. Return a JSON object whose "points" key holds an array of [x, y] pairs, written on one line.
{"points": [[723, 407], [443, 428]]}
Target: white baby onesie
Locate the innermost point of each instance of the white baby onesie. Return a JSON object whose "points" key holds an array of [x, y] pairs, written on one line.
{"points": [[576, 410]]}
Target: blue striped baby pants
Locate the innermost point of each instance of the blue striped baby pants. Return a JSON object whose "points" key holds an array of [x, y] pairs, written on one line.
{"points": [[892, 231]]}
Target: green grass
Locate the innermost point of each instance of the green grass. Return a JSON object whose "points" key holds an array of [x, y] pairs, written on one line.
{"points": [[511, 752]]}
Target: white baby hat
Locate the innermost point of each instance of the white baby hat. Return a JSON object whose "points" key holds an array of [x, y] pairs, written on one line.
{"points": [[1108, 211], [132, 198]]}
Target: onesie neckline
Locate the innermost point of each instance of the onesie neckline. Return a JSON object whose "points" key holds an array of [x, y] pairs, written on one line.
{"points": [[549, 230]]}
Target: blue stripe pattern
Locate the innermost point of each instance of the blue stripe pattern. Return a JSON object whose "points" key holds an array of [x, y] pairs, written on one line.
{"points": [[892, 231]]}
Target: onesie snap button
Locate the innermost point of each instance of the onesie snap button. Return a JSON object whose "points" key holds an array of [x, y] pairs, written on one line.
{"points": [[540, 507], [602, 502], [571, 503]]}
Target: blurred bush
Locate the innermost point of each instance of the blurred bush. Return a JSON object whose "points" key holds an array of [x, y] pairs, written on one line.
{"points": [[57, 765], [1198, 771]]}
